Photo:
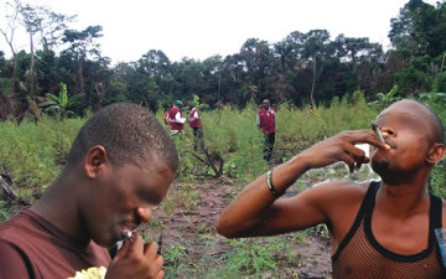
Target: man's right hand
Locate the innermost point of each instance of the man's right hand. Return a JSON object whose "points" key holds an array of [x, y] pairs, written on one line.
{"points": [[341, 147], [136, 259]]}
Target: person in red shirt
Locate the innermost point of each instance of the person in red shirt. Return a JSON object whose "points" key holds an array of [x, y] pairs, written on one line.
{"points": [[195, 124], [166, 119], [118, 169], [175, 118], [266, 121]]}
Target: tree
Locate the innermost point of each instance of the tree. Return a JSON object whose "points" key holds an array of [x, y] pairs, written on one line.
{"points": [[257, 59], [315, 47], [32, 20], [52, 29], [83, 45], [418, 36], [363, 62], [420, 28], [8, 32], [48, 25], [154, 63]]}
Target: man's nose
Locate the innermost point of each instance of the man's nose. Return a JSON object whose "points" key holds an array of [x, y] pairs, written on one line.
{"points": [[144, 213]]}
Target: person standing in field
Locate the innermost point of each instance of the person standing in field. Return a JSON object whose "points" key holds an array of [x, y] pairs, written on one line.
{"points": [[175, 118], [196, 125], [379, 229], [266, 121], [118, 169]]}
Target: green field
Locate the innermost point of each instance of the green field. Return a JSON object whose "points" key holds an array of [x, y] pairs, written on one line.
{"points": [[207, 181]]}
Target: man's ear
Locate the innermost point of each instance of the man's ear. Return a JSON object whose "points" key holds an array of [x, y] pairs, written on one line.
{"points": [[96, 160], [436, 153]]}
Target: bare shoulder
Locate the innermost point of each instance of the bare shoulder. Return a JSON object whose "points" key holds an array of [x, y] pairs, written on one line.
{"points": [[331, 197], [341, 190]]}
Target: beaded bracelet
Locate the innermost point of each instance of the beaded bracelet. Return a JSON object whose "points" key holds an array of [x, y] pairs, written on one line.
{"points": [[269, 182]]}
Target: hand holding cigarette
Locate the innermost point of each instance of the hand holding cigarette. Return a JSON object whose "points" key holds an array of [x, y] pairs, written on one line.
{"points": [[136, 259]]}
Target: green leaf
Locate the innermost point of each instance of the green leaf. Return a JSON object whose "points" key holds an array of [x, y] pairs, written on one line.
{"points": [[52, 97], [63, 95], [52, 109], [46, 104], [392, 92], [381, 96]]}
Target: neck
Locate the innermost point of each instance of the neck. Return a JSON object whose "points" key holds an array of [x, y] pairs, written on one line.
{"points": [[402, 200], [59, 207]]}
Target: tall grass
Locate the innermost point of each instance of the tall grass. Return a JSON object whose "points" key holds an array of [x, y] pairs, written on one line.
{"points": [[34, 153], [298, 129]]}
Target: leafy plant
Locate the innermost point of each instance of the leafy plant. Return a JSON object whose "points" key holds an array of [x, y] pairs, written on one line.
{"points": [[433, 97], [385, 100], [251, 258], [437, 179], [174, 257], [57, 105]]}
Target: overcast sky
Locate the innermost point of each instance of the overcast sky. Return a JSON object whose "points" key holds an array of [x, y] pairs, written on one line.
{"points": [[201, 28]]}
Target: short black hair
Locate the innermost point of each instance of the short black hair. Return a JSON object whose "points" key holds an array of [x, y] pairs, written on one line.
{"points": [[129, 133]]}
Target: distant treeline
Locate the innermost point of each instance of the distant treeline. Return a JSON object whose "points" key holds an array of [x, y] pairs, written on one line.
{"points": [[303, 68]]}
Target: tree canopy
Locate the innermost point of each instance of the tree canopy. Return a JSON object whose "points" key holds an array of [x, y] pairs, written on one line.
{"points": [[302, 68]]}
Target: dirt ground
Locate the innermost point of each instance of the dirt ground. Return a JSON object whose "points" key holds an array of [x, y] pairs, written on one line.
{"points": [[193, 219]]}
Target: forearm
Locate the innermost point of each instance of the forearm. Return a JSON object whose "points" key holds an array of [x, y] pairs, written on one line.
{"points": [[252, 206]]}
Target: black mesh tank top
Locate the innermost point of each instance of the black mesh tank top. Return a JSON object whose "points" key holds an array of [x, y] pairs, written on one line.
{"points": [[359, 255]]}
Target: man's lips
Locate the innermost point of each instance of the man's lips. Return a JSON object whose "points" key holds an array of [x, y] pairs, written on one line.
{"points": [[391, 144], [126, 230]]}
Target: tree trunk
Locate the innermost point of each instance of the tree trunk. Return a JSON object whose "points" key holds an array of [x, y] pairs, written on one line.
{"points": [[442, 64], [32, 66], [80, 80], [101, 91], [313, 83], [34, 108], [10, 96]]}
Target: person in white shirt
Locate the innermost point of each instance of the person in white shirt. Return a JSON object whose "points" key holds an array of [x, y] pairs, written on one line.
{"points": [[175, 118]]}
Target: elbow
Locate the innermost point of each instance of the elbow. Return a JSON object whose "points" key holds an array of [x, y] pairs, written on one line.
{"points": [[227, 233], [225, 230], [222, 230]]}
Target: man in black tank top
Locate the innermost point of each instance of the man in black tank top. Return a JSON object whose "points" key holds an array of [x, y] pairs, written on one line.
{"points": [[381, 229]]}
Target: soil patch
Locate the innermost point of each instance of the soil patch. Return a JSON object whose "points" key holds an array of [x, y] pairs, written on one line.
{"points": [[192, 226]]}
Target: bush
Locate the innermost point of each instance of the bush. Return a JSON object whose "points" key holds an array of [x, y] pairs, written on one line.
{"points": [[35, 153]]}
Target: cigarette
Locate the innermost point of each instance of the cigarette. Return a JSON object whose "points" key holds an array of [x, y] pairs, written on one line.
{"points": [[127, 234], [377, 133], [123, 235]]}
